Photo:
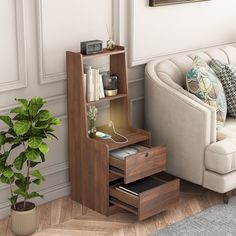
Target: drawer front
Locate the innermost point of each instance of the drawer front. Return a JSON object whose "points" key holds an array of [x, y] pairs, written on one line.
{"points": [[145, 163], [158, 199]]}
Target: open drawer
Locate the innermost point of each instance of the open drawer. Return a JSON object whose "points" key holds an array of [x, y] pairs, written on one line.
{"points": [[144, 163], [150, 202]]}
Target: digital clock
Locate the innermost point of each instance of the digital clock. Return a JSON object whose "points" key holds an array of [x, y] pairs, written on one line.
{"points": [[91, 47]]}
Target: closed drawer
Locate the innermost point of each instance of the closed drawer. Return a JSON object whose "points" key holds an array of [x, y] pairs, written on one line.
{"points": [[141, 164], [150, 202]]}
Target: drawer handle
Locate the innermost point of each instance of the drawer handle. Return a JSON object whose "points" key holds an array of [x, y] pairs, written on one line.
{"points": [[147, 154]]}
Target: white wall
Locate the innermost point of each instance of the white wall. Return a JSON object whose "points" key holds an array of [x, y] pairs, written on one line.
{"points": [[36, 33]]}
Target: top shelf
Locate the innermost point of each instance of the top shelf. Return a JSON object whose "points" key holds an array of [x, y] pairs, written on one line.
{"points": [[105, 52]]}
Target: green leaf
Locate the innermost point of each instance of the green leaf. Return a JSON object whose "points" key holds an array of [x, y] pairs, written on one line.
{"points": [[34, 142], [37, 181], [33, 164], [19, 110], [44, 148], [52, 135], [42, 157], [21, 184], [34, 194], [23, 102], [21, 192], [19, 161], [43, 115], [20, 176], [6, 180], [2, 139], [20, 117], [34, 105], [56, 121], [37, 174], [8, 172], [32, 154], [22, 127], [7, 120]]}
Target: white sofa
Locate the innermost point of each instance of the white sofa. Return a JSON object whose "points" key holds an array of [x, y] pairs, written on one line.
{"points": [[197, 152]]}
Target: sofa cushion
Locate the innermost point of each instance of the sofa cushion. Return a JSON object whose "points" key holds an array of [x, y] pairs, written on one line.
{"points": [[228, 131], [221, 156], [227, 75], [203, 83]]}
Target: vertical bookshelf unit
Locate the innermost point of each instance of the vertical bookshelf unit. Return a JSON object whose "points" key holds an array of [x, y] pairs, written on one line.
{"points": [[94, 174]]}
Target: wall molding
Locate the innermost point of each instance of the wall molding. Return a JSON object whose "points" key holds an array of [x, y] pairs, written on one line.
{"points": [[132, 102], [135, 61], [45, 78], [21, 81]]}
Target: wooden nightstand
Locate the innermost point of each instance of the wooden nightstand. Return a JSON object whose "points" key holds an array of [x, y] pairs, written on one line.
{"points": [[94, 173]]}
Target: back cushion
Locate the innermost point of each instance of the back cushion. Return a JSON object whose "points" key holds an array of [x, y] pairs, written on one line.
{"points": [[173, 71]]}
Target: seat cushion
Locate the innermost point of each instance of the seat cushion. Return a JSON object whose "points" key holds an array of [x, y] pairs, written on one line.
{"points": [[203, 83], [220, 157], [228, 131], [227, 76]]}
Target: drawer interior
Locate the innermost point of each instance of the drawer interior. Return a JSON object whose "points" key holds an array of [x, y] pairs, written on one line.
{"points": [[150, 201]]}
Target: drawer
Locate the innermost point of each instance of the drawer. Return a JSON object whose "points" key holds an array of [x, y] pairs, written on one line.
{"points": [[144, 163], [150, 202]]}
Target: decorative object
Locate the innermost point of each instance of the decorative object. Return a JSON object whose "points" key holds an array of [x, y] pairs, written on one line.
{"points": [[92, 117], [155, 3], [91, 47], [110, 83], [27, 131], [202, 81], [217, 220], [93, 172], [110, 43], [227, 75]]}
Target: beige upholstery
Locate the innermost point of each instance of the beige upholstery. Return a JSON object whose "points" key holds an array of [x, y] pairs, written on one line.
{"points": [[188, 126]]}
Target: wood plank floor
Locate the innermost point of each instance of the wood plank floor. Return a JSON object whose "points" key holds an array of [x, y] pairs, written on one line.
{"points": [[65, 217]]}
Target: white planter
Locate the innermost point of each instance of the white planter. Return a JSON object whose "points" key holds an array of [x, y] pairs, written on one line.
{"points": [[23, 222]]}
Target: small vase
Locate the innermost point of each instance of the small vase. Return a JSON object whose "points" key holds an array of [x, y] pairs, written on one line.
{"points": [[111, 44], [23, 222], [92, 129]]}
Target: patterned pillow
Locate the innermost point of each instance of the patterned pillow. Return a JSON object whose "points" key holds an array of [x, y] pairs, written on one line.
{"points": [[227, 75], [203, 83]]}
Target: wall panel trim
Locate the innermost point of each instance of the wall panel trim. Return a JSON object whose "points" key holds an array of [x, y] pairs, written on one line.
{"points": [[21, 81]]}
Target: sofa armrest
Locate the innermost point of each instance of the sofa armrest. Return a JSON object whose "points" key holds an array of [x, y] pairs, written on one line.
{"points": [[182, 123]]}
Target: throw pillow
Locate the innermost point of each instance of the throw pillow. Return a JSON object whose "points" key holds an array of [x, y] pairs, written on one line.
{"points": [[227, 75], [203, 83]]}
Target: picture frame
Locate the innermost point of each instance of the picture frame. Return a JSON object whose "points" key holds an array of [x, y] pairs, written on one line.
{"points": [[155, 3]]}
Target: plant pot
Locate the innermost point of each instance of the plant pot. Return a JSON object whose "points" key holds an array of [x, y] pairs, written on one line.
{"points": [[23, 222]]}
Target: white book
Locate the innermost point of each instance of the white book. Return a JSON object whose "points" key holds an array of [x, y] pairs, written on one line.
{"points": [[84, 84], [95, 77], [90, 85], [101, 88]]}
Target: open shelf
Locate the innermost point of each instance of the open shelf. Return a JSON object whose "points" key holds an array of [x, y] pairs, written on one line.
{"points": [[133, 136], [122, 95], [105, 52]]}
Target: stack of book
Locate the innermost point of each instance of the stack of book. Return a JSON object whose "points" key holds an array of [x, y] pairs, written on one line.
{"points": [[93, 85], [139, 186]]}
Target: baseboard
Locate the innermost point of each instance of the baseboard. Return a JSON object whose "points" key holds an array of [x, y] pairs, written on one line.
{"points": [[50, 194]]}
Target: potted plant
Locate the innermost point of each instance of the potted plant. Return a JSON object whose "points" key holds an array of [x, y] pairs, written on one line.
{"points": [[23, 147]]}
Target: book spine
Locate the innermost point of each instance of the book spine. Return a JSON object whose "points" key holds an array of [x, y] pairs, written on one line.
{"points": [[90, 85], [101, 88]]}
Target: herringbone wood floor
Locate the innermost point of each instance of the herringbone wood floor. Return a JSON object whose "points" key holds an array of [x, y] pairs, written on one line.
{"points": [[65, 217]]}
